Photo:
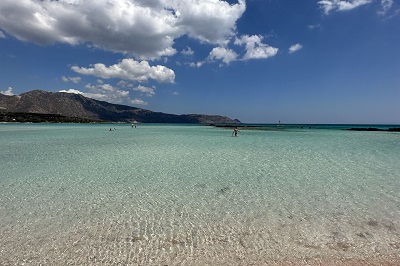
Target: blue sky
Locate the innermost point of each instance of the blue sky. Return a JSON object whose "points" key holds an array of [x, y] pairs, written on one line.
{"points": [[322, 61]]}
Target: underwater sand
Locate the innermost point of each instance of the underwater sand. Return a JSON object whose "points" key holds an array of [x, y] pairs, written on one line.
{"points": [[195, 195]]}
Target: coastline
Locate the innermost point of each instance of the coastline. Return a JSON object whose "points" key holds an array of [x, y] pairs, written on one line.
{"points": [[279, 127]]}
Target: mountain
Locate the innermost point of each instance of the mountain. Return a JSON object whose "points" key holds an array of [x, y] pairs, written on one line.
{"points": [[77, 106]]}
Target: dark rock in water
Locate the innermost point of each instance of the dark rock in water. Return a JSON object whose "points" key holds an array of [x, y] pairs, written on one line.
{"points": [[224, 190], [394, 129], [372, 223], [360, 234], [134, 239], [343, 246], [365, 129]]}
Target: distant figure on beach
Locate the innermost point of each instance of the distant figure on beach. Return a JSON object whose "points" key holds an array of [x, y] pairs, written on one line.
{"points": [[235, 131], [111, 129]]}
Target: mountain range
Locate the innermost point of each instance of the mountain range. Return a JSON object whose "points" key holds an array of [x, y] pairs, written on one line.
{"points": [[76, 107]]}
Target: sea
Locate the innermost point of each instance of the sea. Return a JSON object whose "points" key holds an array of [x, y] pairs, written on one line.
{"points": [[166, 194]]}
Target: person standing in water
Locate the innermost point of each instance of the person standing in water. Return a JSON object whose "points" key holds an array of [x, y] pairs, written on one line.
{"points": [[235, 131]]}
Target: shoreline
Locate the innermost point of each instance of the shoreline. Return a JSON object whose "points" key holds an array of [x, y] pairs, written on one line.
{"points": [[273, 127]]}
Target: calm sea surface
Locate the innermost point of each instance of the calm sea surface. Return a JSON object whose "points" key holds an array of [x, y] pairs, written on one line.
{"points": [[194, 195]]}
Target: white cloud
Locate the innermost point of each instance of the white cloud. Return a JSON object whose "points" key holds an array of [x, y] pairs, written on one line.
{"points": [[255, 49], [295, 47], [221, 53], [211, 21], [198, 64], [149, 92], [138, 102], [124, 84], [188, 51], [385, 6], [103, 92], [340, 5], [72, 91], [104, 88], [129, 69], [2, 35], [109, 93], [313, 27], [175, 93], [143, 28], [96, 96], [71, 79], [8, 92]]}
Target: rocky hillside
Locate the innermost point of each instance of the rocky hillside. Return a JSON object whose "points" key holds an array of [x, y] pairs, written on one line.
{"points": [[78, 106]]}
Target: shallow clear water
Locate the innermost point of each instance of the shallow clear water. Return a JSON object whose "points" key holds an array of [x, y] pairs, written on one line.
{"points": [[195, 195]]}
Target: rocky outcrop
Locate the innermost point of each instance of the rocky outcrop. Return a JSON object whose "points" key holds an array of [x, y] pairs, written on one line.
{"points": [[392, 129]]}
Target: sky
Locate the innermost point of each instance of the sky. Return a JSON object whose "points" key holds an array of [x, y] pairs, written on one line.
{"points": [[259, 61]]}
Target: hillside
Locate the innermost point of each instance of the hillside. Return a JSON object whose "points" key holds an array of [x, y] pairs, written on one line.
{"points": [[78, 106]]}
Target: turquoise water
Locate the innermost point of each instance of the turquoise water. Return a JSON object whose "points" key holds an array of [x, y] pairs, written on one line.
{"points": [[194, 195]]}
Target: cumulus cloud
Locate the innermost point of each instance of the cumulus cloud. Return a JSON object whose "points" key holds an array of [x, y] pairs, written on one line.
{"points": [[138, 102], [129, 69], [339, 5], [73, 91], [121, 83], [198, 64], [8, 92], [103, 92], [149, 92], [224, 54], [188, 51], [71, 79], [96, 96], [385, 6], [295, 47], [255, 49], [104, 88], [211, 21], [315, 26], [143, 28]]}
